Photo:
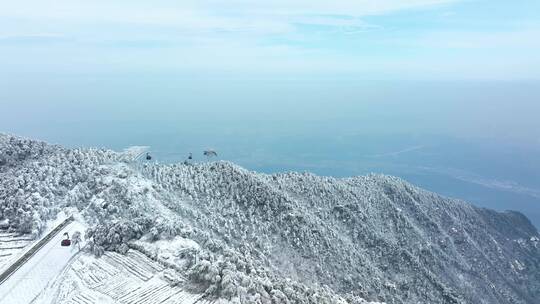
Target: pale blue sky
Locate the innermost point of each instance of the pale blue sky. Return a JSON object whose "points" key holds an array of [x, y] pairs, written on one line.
{"points": [[444, 93], [383, 39], [460, 68]]}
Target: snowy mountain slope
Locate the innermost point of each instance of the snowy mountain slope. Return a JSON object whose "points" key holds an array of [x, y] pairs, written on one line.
{"points": [[27, 282], [11, 246], [284, 238], [116, 278], [17, 248]]}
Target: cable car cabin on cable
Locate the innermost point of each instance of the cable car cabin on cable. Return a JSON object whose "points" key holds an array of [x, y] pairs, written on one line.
{"points": [[66, 242]]}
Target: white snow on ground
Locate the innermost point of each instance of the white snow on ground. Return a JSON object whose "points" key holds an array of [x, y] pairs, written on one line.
{"points": [[169, 251], [116, 279], [135, 152], [13, 245], [33, 277]]}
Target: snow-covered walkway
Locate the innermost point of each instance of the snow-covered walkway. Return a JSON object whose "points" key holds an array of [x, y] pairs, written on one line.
{"points": [[31, 278]]}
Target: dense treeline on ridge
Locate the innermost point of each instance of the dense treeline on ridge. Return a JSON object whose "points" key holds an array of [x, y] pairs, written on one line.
{"points": [[282, 238]]}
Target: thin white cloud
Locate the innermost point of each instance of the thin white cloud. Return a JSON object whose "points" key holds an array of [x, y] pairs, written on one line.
{"points": [[521, 38], [32, 36], [257, 36], [207, 14], [39, 38]]}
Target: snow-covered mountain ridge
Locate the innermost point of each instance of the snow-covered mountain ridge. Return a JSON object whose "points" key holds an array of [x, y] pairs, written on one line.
{"points": [[282, 238]]}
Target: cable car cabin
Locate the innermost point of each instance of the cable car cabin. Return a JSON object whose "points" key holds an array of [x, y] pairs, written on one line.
{"points": [[66, 242], [148, 157]]}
